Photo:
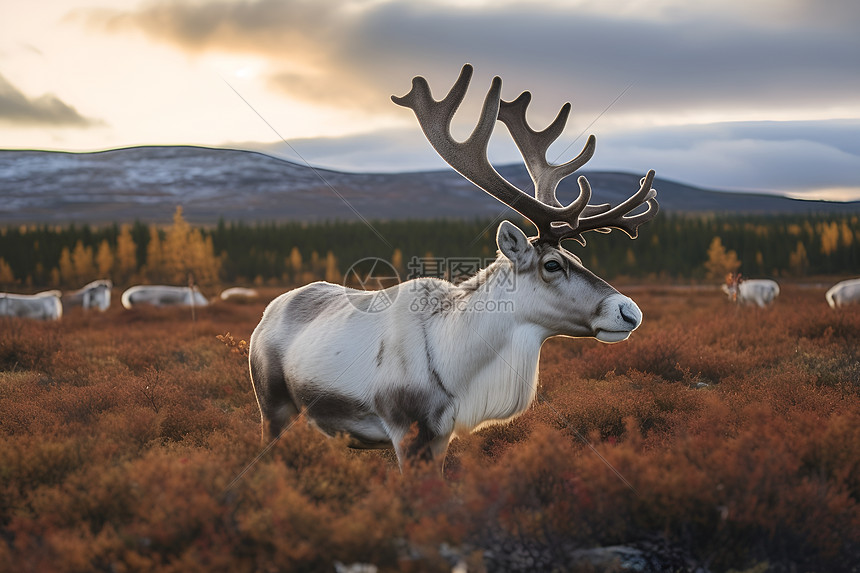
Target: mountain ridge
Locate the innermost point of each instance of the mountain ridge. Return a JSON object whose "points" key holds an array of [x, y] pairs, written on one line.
{"points": [[146, 183]]}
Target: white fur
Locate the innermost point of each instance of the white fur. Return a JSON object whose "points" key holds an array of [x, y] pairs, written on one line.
{"points": [[93, 295], [162, 295], [843, 293], [238, 293], [44, 305], [472, 366], [761, 292]]}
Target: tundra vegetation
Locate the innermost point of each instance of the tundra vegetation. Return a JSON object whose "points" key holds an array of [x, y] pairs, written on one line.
{"points": [[726, 437]]}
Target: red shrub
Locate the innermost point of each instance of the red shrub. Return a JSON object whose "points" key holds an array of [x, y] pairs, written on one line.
{"points": [[726, 436]]}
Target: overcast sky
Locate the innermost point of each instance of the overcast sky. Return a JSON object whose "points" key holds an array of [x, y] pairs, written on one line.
{"points": [[749, 95]]}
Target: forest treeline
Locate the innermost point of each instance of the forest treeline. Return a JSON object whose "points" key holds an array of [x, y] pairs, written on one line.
{"points": [[671, 247]]}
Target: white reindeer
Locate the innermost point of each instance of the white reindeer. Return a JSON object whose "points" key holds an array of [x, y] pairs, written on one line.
{"points": [[441, 360], [162, 295], [93, 295], [239, 293], [843, 293], [41, 306], [761, 292]]}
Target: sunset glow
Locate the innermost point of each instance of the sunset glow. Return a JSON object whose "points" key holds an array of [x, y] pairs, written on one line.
{"points": [[82, 75]]}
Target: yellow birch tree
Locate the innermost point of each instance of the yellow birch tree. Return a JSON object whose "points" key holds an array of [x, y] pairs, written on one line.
{"points": [[829, 233], [105, 260], [798, 260], [188, 255], [154, 258], [83, 262], [720, 262], [176, 249], [332, 274], [295, 263], [126, 255], [67, 269], [397, 261], [7, 277]]}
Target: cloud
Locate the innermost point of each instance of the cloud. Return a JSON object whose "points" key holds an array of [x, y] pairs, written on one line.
{"points": [[705, 67], [17, 108], [680, 57], [283, 30], [765, 156], [812, 159]]}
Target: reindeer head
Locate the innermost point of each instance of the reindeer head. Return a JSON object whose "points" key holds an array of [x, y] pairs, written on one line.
{"points": [[732, 285], [567, 299]]}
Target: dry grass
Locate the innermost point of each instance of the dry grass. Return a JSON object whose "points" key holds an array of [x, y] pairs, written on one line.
{"points": [[737, 432]]}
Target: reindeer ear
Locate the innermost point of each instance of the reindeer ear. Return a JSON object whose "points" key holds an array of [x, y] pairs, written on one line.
{"points": [[514, 244]]}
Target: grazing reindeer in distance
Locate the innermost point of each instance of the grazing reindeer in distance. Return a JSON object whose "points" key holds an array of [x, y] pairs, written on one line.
{"points": [[239, 294], [843, 293], [163, 295], [436, 363], [93, 295], [761, 292], [41, 306]]}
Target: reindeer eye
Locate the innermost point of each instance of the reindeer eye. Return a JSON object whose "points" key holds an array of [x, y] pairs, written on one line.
{"points": [[552, 266]]}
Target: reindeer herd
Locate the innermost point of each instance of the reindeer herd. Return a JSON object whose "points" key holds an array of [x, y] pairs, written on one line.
{"points": [[763, 292], [421, 374], [49, 305]]}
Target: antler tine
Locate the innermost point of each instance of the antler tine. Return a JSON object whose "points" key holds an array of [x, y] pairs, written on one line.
{"points": [[533, 146], [435, 116], [616, 217], [469, 158]]}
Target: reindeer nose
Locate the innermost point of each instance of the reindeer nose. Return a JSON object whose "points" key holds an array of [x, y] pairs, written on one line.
{"points": [[630, 313], [616, 318]]}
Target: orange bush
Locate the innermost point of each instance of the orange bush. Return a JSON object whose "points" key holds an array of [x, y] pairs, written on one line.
{"points": [[716, 436]]}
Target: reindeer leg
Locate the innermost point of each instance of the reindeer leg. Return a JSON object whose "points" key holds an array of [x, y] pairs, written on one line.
{"points": [[278, 412], [277, 408], [439, 447], [418, 421], [412, 449], [419, 443]]}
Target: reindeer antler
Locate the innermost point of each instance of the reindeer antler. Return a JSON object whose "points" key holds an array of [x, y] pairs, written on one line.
{"points": [[469, 158]]}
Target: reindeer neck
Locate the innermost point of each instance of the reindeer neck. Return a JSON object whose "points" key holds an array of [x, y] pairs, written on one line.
{"points": [[488, 304], [482, 339], [501, 348]]}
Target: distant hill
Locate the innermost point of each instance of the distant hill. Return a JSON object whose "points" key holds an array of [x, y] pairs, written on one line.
{"points": [[147, 183]]}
